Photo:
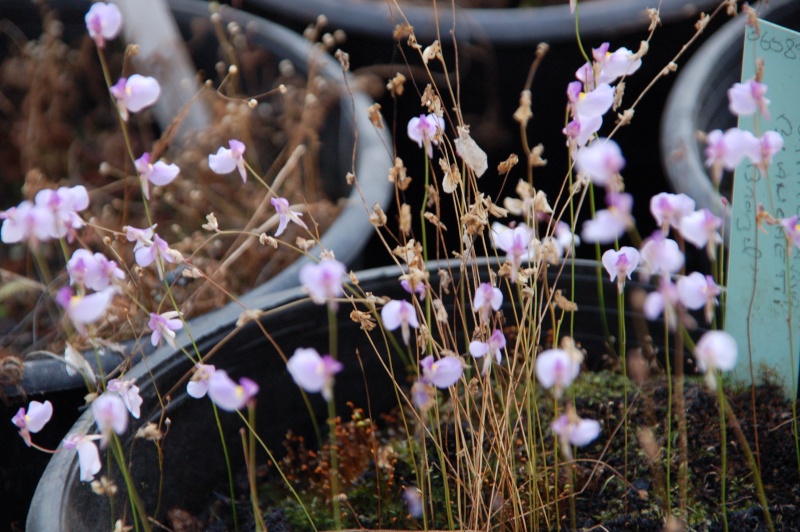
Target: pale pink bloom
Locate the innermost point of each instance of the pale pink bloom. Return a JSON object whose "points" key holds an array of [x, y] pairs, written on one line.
{"points": [[620, 264], [228, 395], [565, 238], [716, 350], [198, 385], [86, 309], [747, 98], [286, 215], [142, 237], [726, 150], [314, 373], [698, 291], [769, 144], [661, 255], [601, 161], [323, 281], [442, 373], [93, 271], [226, 160], [104, 22], [164, 326], [159, 253], [701, 228], [33, 419], [516, 242], [580, 130], [487, 298], [423, 395], [424, 130], [135, 93], [420, 289], [159, 174], [668, 209], [792, 228], [611, 223], [493, 347], [400, 313], [413, 498], [129, 393], [572, 430], [110, 414], [65, 204], [607, 67], [587, 104], [26, 221], [556, 369], [88, 455], [664, 300]]}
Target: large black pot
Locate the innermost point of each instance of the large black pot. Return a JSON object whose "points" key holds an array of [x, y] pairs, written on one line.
{"points": [[45, 378], [193, 464], [699, 102]]}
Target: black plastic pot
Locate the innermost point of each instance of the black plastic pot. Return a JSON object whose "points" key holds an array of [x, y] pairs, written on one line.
{"points": [[47, 379], [193, 464], [699, 102]]}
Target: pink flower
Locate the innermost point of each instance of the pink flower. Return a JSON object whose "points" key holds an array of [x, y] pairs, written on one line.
{"points": [[716, 350], [792, 228], [420, 289], [580, 130], [726, 150], [425, 130], [226, 160], [286, 215], [104, 22], [228, 395], [661, 255], [769, 144], [93, 271], [88, 455], [159, 174], [668, 209], [556, 369], [620, 264], [110, 414], [487, 298], [698, 291], [33, 419], [314, 373], [572, 430], [198, 386], [610, 224], [747, 98], [700, 228], [400, 314], [589, 104], [323, 281], [158, 252], [664, 300], [129, 393], [135, 93], [413, 500], [26, 221], [442, 373], [64, 204], [608, 67], [87, 309], [164, 326], [565, 238], [493, 347], [515, 242]]}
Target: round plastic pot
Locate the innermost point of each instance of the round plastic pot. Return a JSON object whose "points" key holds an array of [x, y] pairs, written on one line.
{"points": [[193, 465], [699, 102], [46, 379]]}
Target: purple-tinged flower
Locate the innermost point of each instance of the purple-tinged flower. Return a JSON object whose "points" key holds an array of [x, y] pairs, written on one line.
{"points": [[572, 430], [198, 385], [442, 373], [164, 326], [323, 281], [726, 150], [129, 393], [314, 373], [419, 289], [487, 298], [664, 300], [745, 99], [493, 347], [26, 221], [286, 215], [88, 455], [226, 160], [589, 104], [423, 395], [135, 93], [661, 255], [608, 67], [87, 309], [565, 238], [716, 350], [620, 264], [159, 174], [110, 414], [668, 209], [228, 395], [698, 291], [769, 144], [93, 271], [65, 204], [611, 223], [556, 368], [580, 130], [159, 253], [425, 131], [792, 227], [701, 229], [516, 242], [33, 419], [104, 22], [402, 314], [413, 500], [142, 237]]}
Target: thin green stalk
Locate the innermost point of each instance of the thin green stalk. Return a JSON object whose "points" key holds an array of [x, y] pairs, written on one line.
{"points": [[724, 450], [136, 502], [227, 467], [622, 351]]}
